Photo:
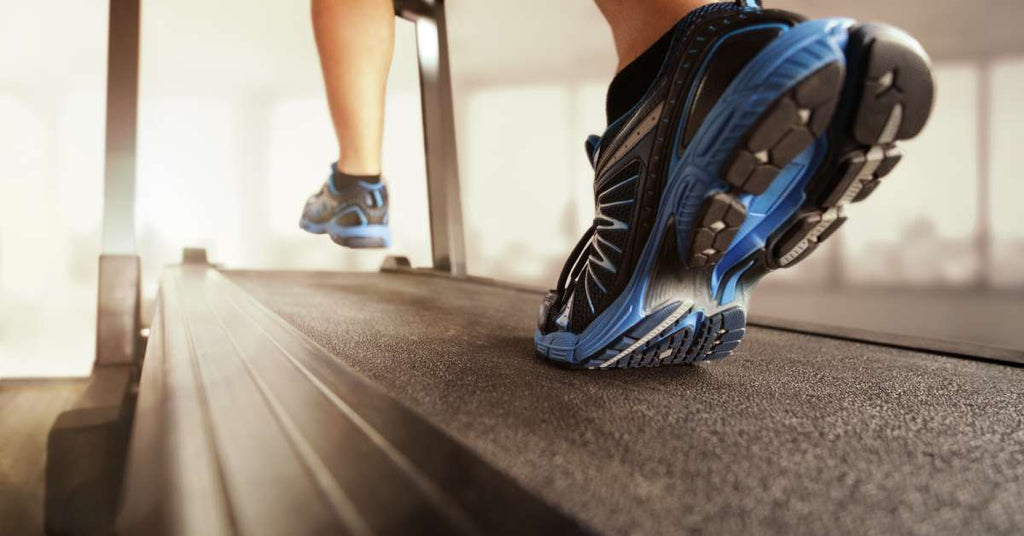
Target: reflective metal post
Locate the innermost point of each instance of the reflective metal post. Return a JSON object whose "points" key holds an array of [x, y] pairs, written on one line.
{"points": [[446, 230], [117, 319], [122, 112]]}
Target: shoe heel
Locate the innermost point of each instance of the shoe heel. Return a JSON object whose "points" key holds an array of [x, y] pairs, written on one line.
{"points": [[365, 237], [800, 113], [361, 242], [888, 97], [681, 339], [785, 129], [896, 89]]}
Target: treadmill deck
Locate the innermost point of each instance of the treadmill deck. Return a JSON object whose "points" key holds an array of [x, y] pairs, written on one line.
{"points": [[792, 434]]}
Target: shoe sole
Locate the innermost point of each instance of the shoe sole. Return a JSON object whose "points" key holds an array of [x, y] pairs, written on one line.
{"points": [[778, 188], [362, 237]]}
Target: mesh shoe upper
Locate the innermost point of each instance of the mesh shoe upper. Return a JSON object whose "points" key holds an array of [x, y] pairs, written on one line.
{"points": [[632, 156], [356, 204]]}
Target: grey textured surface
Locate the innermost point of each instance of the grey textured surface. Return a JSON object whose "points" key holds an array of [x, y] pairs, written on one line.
{"points": [[793, 434]]}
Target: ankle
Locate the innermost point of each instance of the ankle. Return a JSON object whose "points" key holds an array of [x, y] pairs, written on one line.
{"points": [[635, 31], [340, 179], [643, 46], [357, 166], [632, 81]]}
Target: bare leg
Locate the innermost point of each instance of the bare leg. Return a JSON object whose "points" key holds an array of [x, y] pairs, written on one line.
{"points": [[355, 39], [636, 25]]}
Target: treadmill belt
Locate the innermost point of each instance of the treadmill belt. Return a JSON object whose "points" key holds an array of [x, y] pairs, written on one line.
{"points": [[792, 434]]}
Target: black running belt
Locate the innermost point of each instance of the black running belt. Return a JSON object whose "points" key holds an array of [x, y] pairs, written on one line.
{"points": [[794, 433]]}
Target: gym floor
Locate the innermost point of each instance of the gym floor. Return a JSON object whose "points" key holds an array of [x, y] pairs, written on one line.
{"points": [[27, 410]]}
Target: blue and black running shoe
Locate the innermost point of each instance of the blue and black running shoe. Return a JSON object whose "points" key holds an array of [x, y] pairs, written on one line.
{"points": [[354, 215], [741, 158]]}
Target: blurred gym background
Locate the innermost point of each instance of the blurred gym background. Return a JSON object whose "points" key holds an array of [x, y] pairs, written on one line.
{"points": [[234, 134]]}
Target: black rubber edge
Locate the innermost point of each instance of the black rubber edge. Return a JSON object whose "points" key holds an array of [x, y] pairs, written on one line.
{"points": [[960, 350]]}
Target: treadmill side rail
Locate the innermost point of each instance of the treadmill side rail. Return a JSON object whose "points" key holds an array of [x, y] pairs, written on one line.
{"points": [[245, 426]]}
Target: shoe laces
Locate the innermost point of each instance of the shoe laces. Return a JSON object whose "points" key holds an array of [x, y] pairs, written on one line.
{"points": [[574, 264]]}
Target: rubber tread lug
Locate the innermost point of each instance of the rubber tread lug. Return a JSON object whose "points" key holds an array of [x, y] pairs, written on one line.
{"points": [[719, 220], [786, 128]]}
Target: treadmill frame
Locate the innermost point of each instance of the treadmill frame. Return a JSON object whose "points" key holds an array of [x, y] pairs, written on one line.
{"points": [[87, 443]]}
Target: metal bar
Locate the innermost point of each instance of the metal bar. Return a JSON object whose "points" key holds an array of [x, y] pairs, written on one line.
{"points": [[117, 309], [122, 112], [446, 229]]}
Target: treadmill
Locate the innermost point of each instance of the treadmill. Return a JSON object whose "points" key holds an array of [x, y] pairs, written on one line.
{"points": [[411, 401]]}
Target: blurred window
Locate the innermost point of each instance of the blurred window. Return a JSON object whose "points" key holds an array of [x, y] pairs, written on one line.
{"points": [[234, 135], [52, 79], [1007, 218]]}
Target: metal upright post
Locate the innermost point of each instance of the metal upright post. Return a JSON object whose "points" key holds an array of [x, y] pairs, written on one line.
{"points": [[446, 229], [85, 449], [117, 321]]}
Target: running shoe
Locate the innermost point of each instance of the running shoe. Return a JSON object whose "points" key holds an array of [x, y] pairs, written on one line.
{"points": [[758, 132], [355, 216]]}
